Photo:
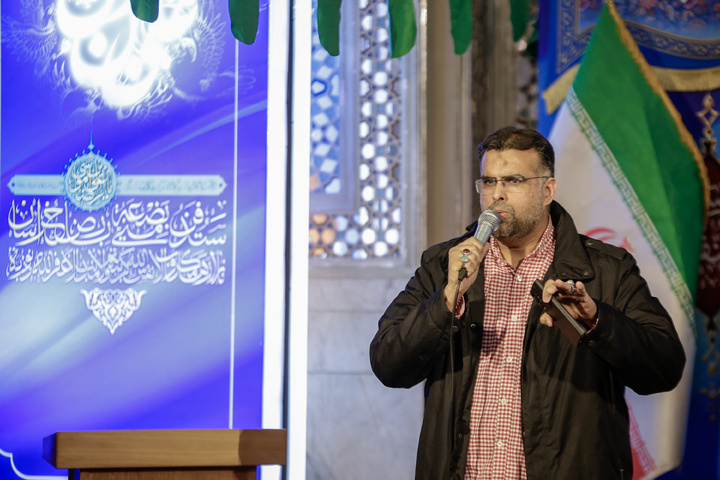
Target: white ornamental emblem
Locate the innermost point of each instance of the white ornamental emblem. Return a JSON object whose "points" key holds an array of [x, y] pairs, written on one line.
{"points": [[112, 307]]}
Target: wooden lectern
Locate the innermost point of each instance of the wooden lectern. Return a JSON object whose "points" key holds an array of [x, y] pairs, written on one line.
{"points": [[165, 454]]}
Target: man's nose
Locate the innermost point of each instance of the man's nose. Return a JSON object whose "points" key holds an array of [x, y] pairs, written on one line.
{"points": [[499, 190]]}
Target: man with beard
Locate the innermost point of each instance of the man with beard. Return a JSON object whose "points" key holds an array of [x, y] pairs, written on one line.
{"points": [[507, 394]]}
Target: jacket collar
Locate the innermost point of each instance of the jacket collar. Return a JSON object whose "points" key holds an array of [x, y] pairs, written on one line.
{"points": [[571, 260]]}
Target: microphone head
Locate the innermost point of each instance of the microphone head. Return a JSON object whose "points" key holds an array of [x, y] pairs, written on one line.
{"points": [[490, 217], [488, 221]]}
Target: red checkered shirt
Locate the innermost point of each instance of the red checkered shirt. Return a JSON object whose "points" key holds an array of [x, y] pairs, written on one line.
{"points": [[496, 443]]}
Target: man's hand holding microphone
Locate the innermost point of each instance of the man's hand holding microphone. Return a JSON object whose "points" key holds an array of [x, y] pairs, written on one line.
{"points": [[465, 258]]}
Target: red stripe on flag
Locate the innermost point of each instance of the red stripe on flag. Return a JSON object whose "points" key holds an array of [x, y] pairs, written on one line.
{"points": [[643, 462]]}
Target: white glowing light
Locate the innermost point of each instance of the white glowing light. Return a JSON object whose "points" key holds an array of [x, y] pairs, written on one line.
{"points": [[174, 20], [133, 70], [98, 44], [65, 46], [125, 60]]}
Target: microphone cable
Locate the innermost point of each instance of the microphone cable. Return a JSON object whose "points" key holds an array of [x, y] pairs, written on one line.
{"points": [[461, 276]]}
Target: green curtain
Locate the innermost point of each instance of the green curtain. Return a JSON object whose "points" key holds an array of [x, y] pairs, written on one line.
{"points": [[244, 15], [328, 22], [461, 24], [403, 28], [519, 17], [145, 9]]}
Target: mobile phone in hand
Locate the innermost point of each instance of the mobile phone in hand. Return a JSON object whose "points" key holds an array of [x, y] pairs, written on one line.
{"points": [[561, 317]]}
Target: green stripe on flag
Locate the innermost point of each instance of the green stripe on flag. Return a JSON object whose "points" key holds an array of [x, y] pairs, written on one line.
{"points": [[642, 130]]}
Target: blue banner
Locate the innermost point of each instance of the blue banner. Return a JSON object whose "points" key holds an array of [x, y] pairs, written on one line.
{"points": [[132, 222]]}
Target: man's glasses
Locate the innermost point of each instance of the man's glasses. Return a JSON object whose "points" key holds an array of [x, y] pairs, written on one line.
{"points": [[512, 183]]}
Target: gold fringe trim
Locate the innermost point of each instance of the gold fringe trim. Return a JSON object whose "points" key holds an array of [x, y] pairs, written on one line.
{"points": [[555, 94], [671, 80], [700, 80], [654, 83]]}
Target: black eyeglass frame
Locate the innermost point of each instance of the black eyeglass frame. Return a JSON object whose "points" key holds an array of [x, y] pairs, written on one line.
{"points": [[513, 180]]}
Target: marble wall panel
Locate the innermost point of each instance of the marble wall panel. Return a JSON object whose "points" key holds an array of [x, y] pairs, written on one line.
{"points": [[354, 294], [359, 429]]}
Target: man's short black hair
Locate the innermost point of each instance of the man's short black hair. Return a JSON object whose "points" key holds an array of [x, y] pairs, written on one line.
{"points": [[520, 139]]}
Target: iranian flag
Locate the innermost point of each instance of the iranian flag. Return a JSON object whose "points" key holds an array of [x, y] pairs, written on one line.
{"points": [[630, 174]]}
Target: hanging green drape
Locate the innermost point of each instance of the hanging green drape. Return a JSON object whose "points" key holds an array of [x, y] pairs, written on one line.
{"points": [[461, 24], [146, 9], [244, 16], [519, 17], [403, 28], [328, 25]]}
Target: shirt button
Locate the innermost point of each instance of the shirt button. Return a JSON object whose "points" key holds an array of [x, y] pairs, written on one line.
{"points": [[499, 443], [503, 401], [509, 359]]}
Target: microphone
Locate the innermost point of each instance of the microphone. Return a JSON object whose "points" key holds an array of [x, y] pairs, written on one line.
{"points": [[488, 221]]}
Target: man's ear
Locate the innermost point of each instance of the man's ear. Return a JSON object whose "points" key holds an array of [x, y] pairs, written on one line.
{"points": [[549, 191]]}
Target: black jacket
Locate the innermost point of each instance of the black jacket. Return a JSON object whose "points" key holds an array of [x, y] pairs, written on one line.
{"points": [[574, 415]]}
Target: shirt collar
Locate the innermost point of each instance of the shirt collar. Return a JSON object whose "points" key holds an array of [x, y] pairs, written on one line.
{"points": [[546, 246]]}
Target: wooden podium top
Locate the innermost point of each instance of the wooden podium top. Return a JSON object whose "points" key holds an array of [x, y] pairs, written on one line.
{"points": [[165, 448]]}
